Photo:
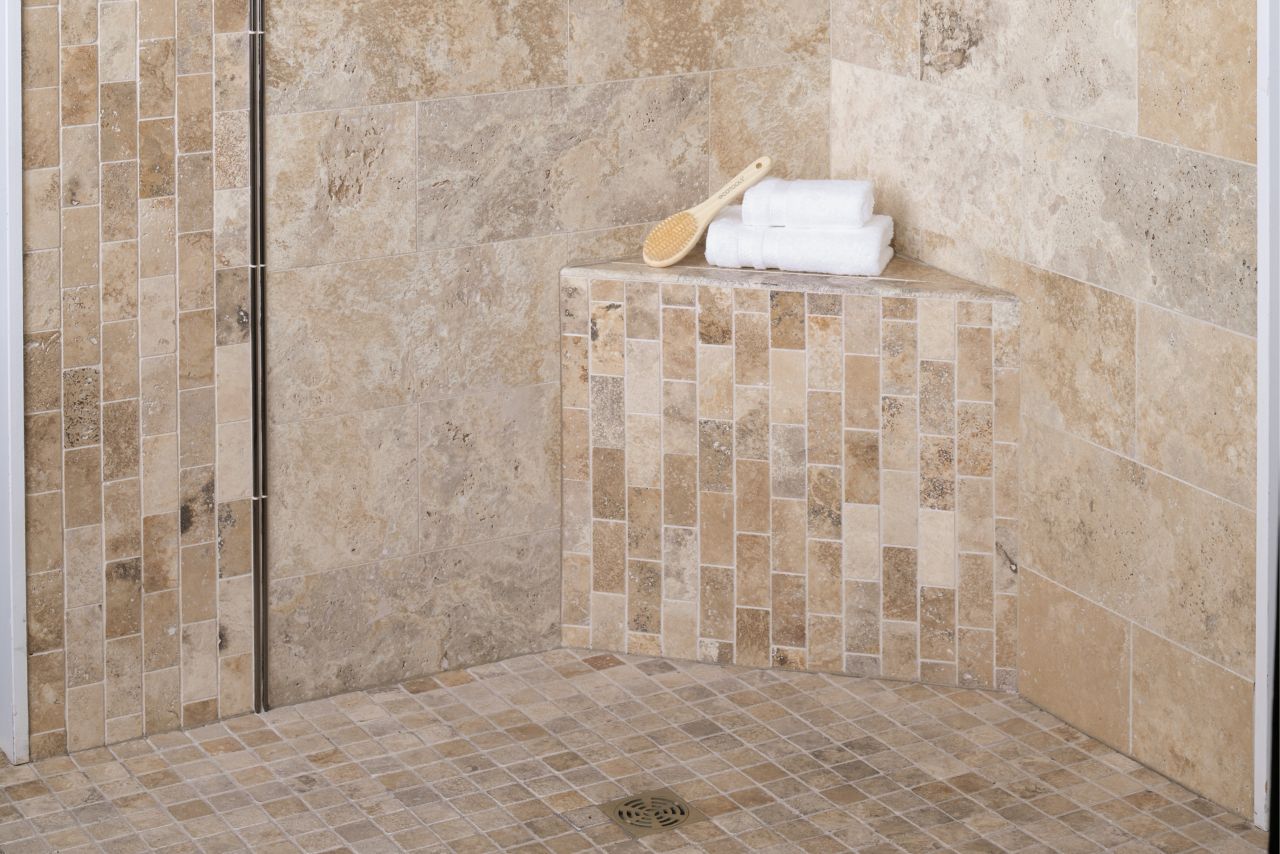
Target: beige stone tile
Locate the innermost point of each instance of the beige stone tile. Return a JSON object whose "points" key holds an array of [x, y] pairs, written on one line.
{"points": [[881, 34], [43, 443], [194, 183], [716, 529], [1196, 403], [235, 461], [48, 691], [899, 503], [937, 473], [898, 437], [862, 617], [974, 428], [937, 624], [1148, 547], [908, 136], [825, 576], [235, 685], [161, 701], [1207, 745], [643, 378], [488, 466], [644, 524], [751, 426], [82, 486], [119, 201], [197, 490], [790, 529], [975, 525], [1007, 488], [608, 557], [642, 307], [86, 725], [80, 247], [938, 548], [861, 467], [195, 349], [235, 545], [715, 382], [122, 519], [159, 552], [715, 315], [752, 493], [1008, 401], [1073, 659], [781, 109], [1087, 71], [975, 658], [715, 455], [899, 659], [42, 371], [788, 610], [79, 81], [80, 174], [680, 564], [81, 417], [974, 366], [824, 438], [120, 439], [644, 597], [487, 602], [1078, 356], [41, 291], [1172, 266], [44, 533], [679, 418], [862, 392], [679, 344], [644, 450], [607, 333], [787, 461], [357, 211], [1198, 93], [354, 480], [41, 221], [787, 386], [937, 398], [976, 607], [609, 41], [751, 573], [44, 612], [84, 645], [861, 553], [495, 46], [751, 647], [159, 395], [900, 583], [786, 320], [575, 601], [716, 606], [680, 489], [824, 348], [159, 474], [83, 566], [120, 281], [751, 349], [193, 30]]}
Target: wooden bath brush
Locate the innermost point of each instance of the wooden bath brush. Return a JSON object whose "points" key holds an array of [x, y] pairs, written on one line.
{"points": [[675, 236]]}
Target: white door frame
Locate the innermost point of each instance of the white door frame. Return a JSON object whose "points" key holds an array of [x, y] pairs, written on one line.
{"points": [[14, 734], [1268, 503]]}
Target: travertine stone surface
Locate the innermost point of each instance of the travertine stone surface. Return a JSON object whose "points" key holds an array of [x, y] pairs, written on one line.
{"points": [[1151, 548], [1205, 742], [1190, 248], [137, 534], [1197, 403], [327, 55], [771, 111], [943, 161], [1198, 75], [610, 40], [801, 493], [880, 34]]}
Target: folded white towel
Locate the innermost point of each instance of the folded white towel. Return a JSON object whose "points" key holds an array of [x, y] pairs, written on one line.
{"points": [[861, 251], [809, 204]]}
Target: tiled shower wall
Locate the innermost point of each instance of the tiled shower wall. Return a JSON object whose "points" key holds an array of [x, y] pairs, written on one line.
{"points": [[432, 166], [137, 367], [1097, 160], [796, 479]]}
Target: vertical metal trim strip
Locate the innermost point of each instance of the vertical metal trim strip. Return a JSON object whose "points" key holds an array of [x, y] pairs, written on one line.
{"points": [[258, 338]]}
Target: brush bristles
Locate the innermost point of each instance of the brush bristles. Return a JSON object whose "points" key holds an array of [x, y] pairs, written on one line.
{"points": [[670, 237]]}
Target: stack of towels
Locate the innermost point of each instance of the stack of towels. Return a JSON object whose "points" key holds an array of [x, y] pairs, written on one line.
{"points": [[803, 227]]}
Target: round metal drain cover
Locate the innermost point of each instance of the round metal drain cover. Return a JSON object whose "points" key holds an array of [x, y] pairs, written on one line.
{"points": [[650, 812]]}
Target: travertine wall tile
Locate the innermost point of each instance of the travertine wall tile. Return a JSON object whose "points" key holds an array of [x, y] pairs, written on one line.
{"points": [[1197, 81]]}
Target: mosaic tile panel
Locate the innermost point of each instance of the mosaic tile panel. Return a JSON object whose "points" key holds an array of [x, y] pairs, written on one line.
{"points": [[817, 476], [137, 368]]}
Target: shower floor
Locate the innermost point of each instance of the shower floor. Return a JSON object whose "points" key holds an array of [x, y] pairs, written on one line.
{"points": [[515, 756]]}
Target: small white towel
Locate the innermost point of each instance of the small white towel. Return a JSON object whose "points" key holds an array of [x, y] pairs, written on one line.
{"points": [[809, 204], [861, 251]]}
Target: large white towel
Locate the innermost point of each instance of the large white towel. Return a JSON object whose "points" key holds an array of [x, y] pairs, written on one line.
{"points": [[861, 251], [809, 204]]}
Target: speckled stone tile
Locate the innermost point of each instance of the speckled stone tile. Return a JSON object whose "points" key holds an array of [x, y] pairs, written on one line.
{"points": [[520, 754]]}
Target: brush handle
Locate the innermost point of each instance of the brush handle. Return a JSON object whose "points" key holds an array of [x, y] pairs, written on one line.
{"points": [[738, 184]]}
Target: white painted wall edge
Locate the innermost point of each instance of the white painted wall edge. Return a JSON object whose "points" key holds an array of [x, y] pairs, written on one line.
{"points": [[1268, 492], [14, 734]]}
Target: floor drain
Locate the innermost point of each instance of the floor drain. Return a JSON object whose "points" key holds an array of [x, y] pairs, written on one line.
{"points": [[650, 812]]}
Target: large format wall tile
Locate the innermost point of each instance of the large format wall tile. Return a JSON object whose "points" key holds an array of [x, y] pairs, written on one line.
{"points": [[611, 40], [1198, 82], [1161, 553], [1162, 224], [880, 34], [551, 160], [1068, 59], [780, 111], [1077, 355], [325, 54], [946, 162], [489, 466], [1193, 721], [343, 491], [340, 185], [397, 619], [1197, 403], [1073, 659]]}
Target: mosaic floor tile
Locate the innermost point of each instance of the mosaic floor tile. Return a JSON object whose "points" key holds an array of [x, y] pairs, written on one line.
{"points": [[516, 756]]}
